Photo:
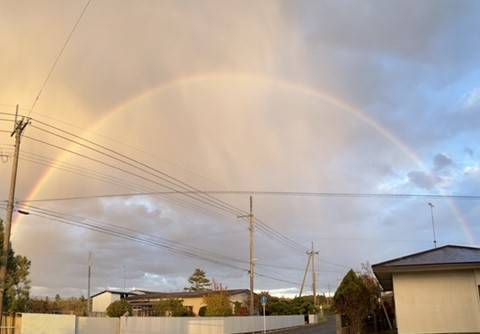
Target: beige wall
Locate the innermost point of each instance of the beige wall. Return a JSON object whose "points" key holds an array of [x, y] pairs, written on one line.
{"points": [[101, 302], [437, 302]]}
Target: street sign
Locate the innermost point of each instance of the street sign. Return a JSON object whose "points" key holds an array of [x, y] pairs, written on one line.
{"points": [[263, 301]]}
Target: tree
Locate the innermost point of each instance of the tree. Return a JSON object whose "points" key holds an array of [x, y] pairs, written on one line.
{"points": [[218, 304], [218, 301], [17, 285], [171, 307], [240, 309], [355, 300], [198, 281], [72, 305], [119, 308]]}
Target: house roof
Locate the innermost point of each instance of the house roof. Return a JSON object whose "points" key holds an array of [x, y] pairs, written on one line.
{"points": [[183, 294], [447, 257], [114, 292]]}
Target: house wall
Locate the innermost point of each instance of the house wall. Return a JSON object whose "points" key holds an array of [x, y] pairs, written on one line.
{"points": [[437, 302], [102, 301], [198, 302], [194, 303]]}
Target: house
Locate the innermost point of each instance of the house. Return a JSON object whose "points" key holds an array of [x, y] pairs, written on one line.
{"points": [[142, 304], [102, 300], [435, 291]]}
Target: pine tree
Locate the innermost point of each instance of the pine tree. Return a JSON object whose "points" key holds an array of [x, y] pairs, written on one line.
{"points": [[198, 281]]}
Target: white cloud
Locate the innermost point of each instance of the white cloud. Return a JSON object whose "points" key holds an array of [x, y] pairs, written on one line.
{"points": [[472, 98]]}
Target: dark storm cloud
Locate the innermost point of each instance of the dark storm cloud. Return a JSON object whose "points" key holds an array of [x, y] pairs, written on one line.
{"points": [[441, 161], [424, 180]]}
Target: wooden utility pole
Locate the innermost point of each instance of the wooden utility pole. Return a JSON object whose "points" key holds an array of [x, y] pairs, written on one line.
{"points": [[433, 225], [314, 276], [251, 271], [89, 301], [252, 256], [305, 274], [18, 128]]}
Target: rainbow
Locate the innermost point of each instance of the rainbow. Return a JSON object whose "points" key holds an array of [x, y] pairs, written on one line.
{"points": [[228, 77]]}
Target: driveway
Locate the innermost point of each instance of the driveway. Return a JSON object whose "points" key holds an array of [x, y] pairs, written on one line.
{"points": [[325, 328]]}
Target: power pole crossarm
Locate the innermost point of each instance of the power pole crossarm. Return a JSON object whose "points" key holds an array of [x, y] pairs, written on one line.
{"points": [[18, 129]]}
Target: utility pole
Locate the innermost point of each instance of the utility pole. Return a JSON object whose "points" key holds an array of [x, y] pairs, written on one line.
{"points": [[18, 128], [124, 278], [251, 271], [252, 255], [305, 274], [314, 276], [89, 302], [433, 225]]}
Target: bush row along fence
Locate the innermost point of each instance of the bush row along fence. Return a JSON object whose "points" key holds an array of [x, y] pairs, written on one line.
{"points": [[70, 324]]}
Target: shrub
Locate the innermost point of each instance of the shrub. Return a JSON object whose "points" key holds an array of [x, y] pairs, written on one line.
{"points": [[355, 299], [218, 304], [202, 311], [171, 307], [119, 308]]}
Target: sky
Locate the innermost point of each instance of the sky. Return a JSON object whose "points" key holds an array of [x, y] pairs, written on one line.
{"points": [[305, 96]]}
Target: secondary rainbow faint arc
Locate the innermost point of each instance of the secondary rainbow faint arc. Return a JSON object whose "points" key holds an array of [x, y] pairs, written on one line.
{"points": [[306, 90]]}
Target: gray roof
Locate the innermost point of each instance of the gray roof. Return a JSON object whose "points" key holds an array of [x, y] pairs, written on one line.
{"points": [[445, 257], [449, 254]]}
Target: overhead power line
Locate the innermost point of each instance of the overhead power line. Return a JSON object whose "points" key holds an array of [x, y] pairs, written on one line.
{"points": [[109, 179], [129, 234], [267, 193], [173, 182], [59, 55]]}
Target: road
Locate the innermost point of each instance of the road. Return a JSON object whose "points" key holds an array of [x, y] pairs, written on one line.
{"points": [[325, 328]]}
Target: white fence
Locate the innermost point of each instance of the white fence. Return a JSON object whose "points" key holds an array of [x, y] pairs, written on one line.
{"points": [[69, 324], [97, 326], [213, 325]]}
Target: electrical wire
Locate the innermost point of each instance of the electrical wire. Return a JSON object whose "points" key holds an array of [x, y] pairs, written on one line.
{"points": [[59, 55], [93, 174], [274, 193], [204, 198], [108, 230]]}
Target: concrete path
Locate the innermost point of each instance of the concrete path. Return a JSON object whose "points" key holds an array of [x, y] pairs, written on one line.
{"points": [[325, 328]]}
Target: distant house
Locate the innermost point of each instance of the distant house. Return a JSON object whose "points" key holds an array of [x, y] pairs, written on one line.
{"points": [[142, 304], [435, 291], [102, 300]]}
